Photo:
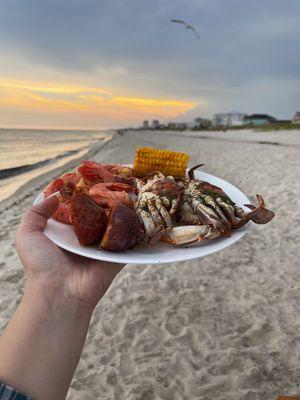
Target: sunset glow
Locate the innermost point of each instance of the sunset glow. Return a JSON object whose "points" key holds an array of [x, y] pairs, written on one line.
{"points": [[86, 104]]}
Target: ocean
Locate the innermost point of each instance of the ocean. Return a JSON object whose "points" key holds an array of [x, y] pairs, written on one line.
{"points": [[27, 153]]}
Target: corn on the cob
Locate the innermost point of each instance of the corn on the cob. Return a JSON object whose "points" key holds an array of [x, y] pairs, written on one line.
{"points": [[168, 162]]}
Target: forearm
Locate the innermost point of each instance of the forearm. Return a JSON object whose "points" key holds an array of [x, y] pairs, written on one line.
{"points": [[41, 346]]}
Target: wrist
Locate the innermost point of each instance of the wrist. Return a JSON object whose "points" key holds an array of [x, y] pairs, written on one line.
{"points": [[55, 301], [46, 333]]}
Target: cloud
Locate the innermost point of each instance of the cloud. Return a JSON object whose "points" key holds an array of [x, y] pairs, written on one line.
{"points": [[131, 48], [278, 26]]}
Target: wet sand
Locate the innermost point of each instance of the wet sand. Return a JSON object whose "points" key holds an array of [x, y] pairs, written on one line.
{"points": [[223, 327]]}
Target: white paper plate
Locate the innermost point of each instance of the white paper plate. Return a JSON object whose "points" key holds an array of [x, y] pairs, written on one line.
{"points": [[64, 237]]}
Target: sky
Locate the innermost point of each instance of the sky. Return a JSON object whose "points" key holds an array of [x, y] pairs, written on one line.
{"points": [[113, 63]]}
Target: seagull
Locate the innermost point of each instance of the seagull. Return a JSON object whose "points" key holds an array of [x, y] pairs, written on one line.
{"points": [[187, 26]]}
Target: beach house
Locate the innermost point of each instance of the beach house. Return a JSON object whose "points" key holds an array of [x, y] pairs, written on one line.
{"points": [[202, 123], [296, 118], [178, 126], [233, 118], [259, 119]]}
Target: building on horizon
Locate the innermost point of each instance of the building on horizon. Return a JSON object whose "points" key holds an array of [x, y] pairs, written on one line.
{"points": [[202, 123], [296, 118], [146, 124], [259, 119], [233, 118], [177, 126], [155, 124]]}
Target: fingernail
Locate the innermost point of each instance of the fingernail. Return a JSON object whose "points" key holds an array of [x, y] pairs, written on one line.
{"points": [[54, 194]]}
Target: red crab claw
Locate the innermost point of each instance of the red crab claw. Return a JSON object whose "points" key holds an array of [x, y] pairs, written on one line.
{"points": [[116, 186], [109, 198], [53, 187], [94, 172]]}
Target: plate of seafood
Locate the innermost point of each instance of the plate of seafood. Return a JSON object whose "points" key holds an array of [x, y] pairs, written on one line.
{"points": [[155, 211]]}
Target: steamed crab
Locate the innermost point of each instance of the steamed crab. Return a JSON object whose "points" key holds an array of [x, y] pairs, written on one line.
{"points": [[157, 201], [211, 212], [205, 209]]}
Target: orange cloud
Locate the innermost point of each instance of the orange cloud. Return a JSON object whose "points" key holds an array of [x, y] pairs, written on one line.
{"points": [[46, 88], [85, 102]]}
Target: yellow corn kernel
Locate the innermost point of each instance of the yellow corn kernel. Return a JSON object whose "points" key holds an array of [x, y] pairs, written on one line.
{"points": [[168, 162]]}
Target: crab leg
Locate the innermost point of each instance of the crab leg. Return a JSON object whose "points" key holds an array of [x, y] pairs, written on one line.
{"points": [[174, 206], [152, 232], [164, 213], [191, 171], [157, 218], [228, 210], [147, 221], [139, 184], [165, 201], [205, 213], [210, 201]]}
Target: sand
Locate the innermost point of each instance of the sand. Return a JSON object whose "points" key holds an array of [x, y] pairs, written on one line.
{"points": [[223, 327]]}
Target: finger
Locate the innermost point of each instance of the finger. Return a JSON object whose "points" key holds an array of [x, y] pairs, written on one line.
{"points": [[37, 216]]}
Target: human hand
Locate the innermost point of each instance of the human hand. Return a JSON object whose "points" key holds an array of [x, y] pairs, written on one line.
{"points": [[62, 276]]}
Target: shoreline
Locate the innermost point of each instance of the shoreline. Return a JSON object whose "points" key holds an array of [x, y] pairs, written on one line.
{"points": [[14, 171], [41, 180]]}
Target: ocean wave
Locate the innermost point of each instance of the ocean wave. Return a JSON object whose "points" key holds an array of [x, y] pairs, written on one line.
{"points": [[10, 172]]}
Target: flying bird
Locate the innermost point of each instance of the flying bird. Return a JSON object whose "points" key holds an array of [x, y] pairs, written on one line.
{"points": [[187, 26]]}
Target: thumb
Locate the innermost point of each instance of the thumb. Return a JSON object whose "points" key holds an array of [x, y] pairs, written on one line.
{"points": [[37, 216]]}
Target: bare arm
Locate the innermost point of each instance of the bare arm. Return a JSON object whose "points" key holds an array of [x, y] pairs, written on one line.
{"points": [[41, 346]]}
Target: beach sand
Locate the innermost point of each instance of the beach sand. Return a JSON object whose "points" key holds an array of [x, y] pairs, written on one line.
{"points": [[222, 327]]}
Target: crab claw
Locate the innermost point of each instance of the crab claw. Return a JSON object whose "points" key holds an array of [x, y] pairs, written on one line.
{"points": [[259, 215], [190, 234], [263, 215], [191, 171]]}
